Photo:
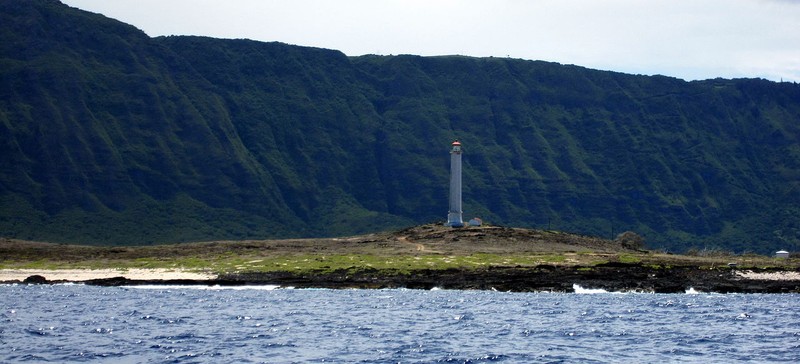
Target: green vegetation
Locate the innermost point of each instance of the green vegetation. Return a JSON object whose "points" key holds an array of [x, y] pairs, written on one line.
{"points": [[110, 137], [227, 263], [408, 251], [627, 258], [312, 263]]}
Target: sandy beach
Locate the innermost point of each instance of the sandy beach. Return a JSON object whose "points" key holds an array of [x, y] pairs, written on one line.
{"points": [[771, 276], [86, 274]]}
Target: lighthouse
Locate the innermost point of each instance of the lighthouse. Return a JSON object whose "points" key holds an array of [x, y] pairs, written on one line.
{"points": [[454, 218]]}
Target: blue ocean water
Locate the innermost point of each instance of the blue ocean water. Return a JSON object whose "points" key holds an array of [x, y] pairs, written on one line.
{"points": [[77, 323]]}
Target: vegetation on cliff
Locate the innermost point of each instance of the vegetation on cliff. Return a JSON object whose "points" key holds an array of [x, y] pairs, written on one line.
{"points": [[108, 136]]}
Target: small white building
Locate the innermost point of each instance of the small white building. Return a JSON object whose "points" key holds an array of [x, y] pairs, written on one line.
{"points": [[475, 221], [781, 254]]}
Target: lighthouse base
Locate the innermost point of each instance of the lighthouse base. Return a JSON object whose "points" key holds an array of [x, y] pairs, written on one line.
{"points": [[454, 220]]}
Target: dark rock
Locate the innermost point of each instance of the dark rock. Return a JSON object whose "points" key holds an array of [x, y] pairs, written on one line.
{"points": [[109, 282], [35, 279], [611, 277], [122, 281]]}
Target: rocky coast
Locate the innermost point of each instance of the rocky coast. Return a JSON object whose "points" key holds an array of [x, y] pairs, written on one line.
{"points": [[612, 277]]}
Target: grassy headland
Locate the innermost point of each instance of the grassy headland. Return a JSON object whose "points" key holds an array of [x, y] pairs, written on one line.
{"points": [[426, 247]]}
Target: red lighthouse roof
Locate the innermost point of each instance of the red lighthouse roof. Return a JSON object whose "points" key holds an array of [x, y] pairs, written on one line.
{"points": [[456, 143]]}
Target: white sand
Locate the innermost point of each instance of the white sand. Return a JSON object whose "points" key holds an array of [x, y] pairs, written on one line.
{"points": [[86, 274], [776, 276]]}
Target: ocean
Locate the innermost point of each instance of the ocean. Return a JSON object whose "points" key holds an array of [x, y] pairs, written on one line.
{"points": [[157, 324]]}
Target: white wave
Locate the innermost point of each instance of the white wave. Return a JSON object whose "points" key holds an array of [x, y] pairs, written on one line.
{"points": [[42, 285], [578, 289], [267, 287], [581, 290], [691, 290]]}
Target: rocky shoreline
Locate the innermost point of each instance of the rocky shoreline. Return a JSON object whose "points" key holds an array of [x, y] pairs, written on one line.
{"points": [[613, 277]]}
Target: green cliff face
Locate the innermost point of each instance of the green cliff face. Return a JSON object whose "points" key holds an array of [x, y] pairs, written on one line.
{"points": [[108, 136]]}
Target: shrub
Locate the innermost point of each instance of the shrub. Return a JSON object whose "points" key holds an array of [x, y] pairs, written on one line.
{"points": [[631, 240]]}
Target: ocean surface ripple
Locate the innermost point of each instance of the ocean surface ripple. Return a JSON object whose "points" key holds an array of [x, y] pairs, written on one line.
{"points": [[76, 323]]}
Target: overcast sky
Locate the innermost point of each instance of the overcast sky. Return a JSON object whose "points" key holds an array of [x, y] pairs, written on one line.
{"points": [[689, 39]]}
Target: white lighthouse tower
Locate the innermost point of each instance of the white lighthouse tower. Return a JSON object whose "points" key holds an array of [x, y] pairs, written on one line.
{"points": [[454, 218]]}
